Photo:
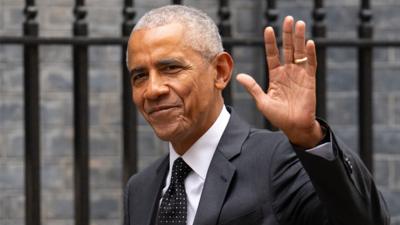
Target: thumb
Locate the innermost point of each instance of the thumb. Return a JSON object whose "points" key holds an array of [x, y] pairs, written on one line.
{"points": [[251, 86]]}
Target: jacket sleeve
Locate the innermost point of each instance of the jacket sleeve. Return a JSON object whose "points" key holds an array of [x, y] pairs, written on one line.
{"points": [[310, 189]]}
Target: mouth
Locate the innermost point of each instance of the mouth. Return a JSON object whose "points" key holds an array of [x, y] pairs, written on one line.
{"points": [[160, 108]]}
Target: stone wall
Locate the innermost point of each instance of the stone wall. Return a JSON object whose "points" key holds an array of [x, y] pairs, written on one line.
{"points": [[104, 17]]}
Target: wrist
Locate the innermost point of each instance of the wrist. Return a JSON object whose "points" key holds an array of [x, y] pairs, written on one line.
{"points": [[307, 138]]}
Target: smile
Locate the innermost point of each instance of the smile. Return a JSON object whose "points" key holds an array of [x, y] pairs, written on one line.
{"points": [[161, 108]]}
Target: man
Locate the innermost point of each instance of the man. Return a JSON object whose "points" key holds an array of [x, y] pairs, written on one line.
{"points": [[219, 170]]}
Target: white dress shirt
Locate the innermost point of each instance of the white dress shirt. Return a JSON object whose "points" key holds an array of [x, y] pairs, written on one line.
{"points": [[199, 156]]}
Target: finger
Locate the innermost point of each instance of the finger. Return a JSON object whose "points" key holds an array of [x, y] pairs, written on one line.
{"points": [[251, 86], [287, 39], [271, 48], [312, 57], [299, 40]]}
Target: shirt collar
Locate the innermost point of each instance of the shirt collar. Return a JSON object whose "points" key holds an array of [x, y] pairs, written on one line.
{"points": [[200, 154]]}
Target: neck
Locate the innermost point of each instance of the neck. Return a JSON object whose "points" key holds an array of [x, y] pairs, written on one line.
{"points": [[182, 145]]}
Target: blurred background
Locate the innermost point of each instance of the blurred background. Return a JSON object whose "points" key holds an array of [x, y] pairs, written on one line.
{"points": [[41, 77]]}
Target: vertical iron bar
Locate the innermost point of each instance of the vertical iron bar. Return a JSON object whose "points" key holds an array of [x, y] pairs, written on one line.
{"points": [[32, 118], [225, 30], [271, 17], [319, 31], [365, 31], [128, 111], [81, 140], [177, 2]]}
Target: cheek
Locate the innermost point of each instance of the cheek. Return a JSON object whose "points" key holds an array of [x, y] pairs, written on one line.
{"points": [[137, 99], [200, 93], [183, 88], [205, 86]]}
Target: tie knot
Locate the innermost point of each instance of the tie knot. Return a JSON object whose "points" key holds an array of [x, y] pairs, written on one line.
{"points": [[180, 170]]}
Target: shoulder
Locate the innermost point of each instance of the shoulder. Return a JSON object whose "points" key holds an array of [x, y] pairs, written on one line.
{"points": [[274, 142], [142, 177], [268, 151], [265, 135]]}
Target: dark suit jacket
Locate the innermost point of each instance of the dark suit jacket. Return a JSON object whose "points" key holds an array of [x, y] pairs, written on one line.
{"points": [[256, 177]]}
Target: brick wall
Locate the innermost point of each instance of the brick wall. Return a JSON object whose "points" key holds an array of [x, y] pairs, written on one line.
{"points": [[55, 18]]}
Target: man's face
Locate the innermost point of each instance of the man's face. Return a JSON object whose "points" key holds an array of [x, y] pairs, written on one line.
{"points": [[173, 86]]}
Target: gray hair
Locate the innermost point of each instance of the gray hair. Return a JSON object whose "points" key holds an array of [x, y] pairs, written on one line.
{"points": [[202, 33]]}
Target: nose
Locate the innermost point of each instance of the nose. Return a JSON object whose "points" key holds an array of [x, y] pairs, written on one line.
{"points": [[156, 87]]}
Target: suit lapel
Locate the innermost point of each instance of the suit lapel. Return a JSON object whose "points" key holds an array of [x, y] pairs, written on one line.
{"points": [[153, 194], [221, 171], [215, 188]]}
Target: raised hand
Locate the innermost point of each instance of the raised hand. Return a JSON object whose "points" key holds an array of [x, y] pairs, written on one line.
{"points": [[290, 102]]}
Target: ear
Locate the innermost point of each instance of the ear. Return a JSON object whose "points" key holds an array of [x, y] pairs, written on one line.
{"points": [[223, 63]]}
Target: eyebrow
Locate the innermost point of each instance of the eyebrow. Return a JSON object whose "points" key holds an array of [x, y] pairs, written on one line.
{"points": [[137, 70], [166, 62], [160, 63]]}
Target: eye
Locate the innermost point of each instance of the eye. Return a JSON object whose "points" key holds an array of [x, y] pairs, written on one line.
{"points": [[137, 78], [171, 69]]}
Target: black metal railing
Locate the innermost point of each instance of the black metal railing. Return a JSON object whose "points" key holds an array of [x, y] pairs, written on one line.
{"points": [[81, 117], [224, 27], [80, 42], [32, 118], [129, 111], [319, 31], [365, 85]]}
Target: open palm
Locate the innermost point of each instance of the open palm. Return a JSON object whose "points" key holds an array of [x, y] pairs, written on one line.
{"points": [[290, 101]]}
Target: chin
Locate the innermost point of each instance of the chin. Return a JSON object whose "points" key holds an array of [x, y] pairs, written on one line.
{"points": [[165, 136], [168, 130], [166, 133]]}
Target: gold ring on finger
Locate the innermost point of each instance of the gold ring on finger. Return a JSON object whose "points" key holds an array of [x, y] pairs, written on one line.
{"points": [[302, 60]]}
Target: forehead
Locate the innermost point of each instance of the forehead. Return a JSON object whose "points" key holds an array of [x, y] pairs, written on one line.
{"points": [[167, 40], [172, 30]]}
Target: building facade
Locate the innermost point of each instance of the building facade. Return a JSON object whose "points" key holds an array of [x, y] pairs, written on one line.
{"points": [[55, 18]]}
